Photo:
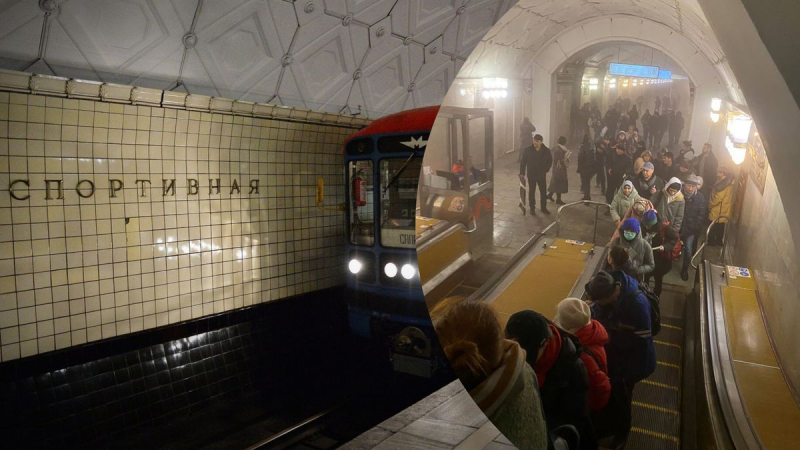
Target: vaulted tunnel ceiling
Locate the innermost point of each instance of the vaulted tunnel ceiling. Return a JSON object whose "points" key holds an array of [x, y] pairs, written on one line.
{"points": [[525, 34], [325, 55]]}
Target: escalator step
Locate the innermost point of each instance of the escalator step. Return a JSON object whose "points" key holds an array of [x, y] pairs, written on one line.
{"points": [[668, 352], [666, 373], [646, 417], [659, 395]]}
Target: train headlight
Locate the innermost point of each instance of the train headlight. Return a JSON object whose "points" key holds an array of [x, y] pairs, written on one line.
{"points": [[390, 269], [354, 266], [408, 271]]}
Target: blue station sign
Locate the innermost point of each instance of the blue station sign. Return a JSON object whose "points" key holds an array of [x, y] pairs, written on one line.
{"points": [[632, 70]]}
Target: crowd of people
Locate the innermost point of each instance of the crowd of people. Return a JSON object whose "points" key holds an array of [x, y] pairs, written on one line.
{"points": [[685, 189], [572, 377], [568, 380]]}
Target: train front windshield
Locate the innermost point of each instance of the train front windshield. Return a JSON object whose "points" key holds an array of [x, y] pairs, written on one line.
{"points": [[398, 197], [396, 172]]}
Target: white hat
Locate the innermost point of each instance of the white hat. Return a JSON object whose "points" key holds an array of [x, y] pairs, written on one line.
{"points": [[572, 315]]}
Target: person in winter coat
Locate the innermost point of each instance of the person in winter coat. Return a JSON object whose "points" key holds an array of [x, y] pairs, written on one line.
{"points": [[555, 357], [663, 242], [667, 169], [658, 104], [639, 251], [676, 128], [494, 370], [535, 164], [625, 314], [587, 166], [645, 156], [559, 183], [575, 317], [620, 165], [647, 182], [719, 204], [694, 216], [670, 203], [526, 130], [646, 126], [602, 150], [636, 211], [623, 200], [659, 125], [705, 166], [686, 153], [684, 170]]}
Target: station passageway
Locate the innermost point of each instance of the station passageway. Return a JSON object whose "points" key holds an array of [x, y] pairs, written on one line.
{"points": [[226, 224]]}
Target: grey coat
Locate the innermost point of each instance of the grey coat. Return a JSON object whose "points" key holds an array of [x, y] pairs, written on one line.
{"points": [[640, 254]]}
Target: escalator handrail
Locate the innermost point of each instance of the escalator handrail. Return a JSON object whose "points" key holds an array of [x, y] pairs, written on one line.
{"points": [[735, 416], [708, 231]]}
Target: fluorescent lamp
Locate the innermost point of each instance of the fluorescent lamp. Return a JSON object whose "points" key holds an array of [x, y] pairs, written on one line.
{"points": [[716, 104]]}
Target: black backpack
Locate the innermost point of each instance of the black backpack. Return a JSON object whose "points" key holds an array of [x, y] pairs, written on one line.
{"points": [[655, 308]]}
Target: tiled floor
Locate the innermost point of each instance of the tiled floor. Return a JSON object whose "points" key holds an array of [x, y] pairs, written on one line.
{"points": [[512, 229]]}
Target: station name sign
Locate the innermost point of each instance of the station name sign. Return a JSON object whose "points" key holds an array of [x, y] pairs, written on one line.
{"points": [[20, 189]]}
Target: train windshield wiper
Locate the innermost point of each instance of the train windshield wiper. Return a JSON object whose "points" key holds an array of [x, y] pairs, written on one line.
{"points": [[400, 172]]}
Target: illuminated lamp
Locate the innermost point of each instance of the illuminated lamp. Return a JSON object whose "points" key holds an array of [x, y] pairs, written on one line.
{"points": [[463, 92], [714, 117], [738, 133]]}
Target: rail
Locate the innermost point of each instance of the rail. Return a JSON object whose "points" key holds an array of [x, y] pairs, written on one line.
{"points": [[730, 420], [597, 206], [705, 241], [294, 433]]}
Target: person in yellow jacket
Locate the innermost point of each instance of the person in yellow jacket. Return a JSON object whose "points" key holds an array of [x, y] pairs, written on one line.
{"points": [[719, 204]]}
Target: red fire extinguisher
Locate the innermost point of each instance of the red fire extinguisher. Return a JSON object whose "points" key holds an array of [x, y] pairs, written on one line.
{"points": [[359, 190]]}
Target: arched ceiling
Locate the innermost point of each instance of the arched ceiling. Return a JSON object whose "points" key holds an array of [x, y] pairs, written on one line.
{"points": [[325, 55], [531, 25]]}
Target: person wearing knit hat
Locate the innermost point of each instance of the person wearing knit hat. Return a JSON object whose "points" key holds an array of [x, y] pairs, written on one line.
{"points": [[639, 252], [575, 316], [555, 358], [694, 215]]}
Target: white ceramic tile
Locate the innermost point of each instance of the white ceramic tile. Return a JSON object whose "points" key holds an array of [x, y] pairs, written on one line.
{"points": [[72, 270]]}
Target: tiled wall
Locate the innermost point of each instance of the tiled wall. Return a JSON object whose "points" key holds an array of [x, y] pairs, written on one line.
{"points": [[764, 243], [83, 268]]}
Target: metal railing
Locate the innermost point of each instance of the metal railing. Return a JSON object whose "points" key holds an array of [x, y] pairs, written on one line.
{"points": [[597, 206], [708, 231]]}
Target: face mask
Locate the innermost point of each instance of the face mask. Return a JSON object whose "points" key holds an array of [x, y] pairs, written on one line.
{"points": [[629, 235]]}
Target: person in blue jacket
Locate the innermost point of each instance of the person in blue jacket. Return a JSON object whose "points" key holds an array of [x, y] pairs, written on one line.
{"points": [[624, 311]]}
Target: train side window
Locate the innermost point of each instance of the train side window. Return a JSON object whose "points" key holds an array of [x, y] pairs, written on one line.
{"points": [[361, 201]]}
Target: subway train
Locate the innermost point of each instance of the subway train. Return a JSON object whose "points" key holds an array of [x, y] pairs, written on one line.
{"points": [[385, 225]]}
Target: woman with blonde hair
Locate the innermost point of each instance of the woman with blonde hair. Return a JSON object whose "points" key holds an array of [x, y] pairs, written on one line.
{"points": [[492, 369]]}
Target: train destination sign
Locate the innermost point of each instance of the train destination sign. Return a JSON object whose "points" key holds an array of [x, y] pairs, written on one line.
{"points": [[664, 74], [632, 70]]}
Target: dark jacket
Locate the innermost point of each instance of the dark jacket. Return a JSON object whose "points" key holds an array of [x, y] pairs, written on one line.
{"points": [[695, 211], [564, 391], [706, 165], [535, 164], [620, 166], [631, 353], [663, 264], [643, 186], [587, 159], [559, 182]]}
